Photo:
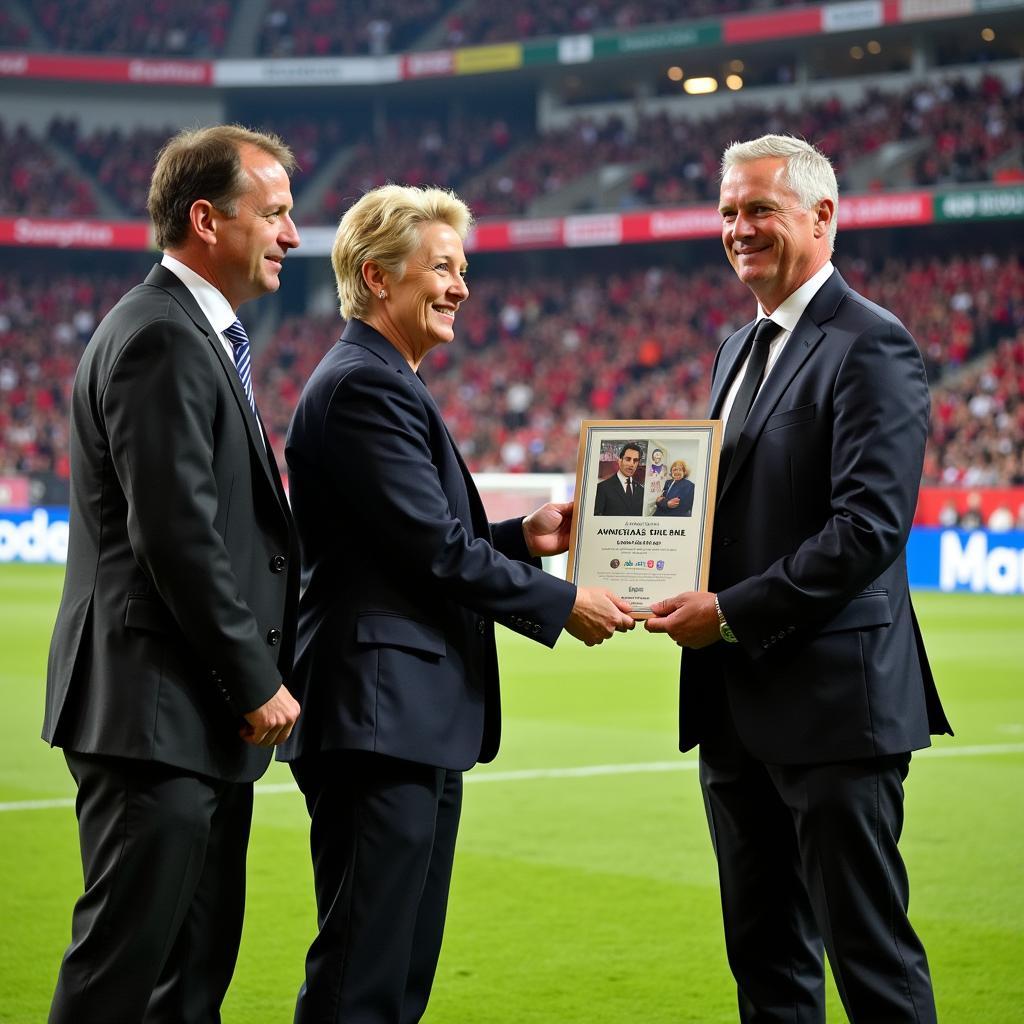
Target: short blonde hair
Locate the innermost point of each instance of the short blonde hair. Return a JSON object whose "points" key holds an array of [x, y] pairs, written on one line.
{"points": [[384, 226], [680, 462]]}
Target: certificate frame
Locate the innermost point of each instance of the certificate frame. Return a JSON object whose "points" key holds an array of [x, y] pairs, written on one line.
{"points": [[658, 552]]}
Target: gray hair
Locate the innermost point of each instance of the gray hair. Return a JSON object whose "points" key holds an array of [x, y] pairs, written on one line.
{"points": [[809, 172]]}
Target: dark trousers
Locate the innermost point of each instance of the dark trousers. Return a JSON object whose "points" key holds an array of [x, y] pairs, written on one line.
{"points": [[382, 837], [807, 857], [154, 936]]}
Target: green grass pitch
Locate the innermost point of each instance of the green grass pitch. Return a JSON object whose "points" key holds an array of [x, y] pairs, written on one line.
{"points": [[579, 898]]}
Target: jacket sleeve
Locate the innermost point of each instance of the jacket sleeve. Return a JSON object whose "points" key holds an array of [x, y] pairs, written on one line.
{"points": [[159, 406], [375, 412], [879, 426]]}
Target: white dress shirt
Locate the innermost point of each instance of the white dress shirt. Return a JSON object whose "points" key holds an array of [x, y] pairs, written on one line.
{"points": [[786, 316], [211, 301], [215, 307]]}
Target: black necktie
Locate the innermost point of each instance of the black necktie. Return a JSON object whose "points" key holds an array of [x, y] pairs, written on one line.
{"points": [[629, 487], [763, 334]]}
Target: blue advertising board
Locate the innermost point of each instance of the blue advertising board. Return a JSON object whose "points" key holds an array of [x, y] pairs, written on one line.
{"points": [[975, 561], [34, 535]]}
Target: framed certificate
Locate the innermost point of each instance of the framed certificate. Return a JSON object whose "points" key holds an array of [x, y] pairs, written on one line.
{"points": [[645, 505]]}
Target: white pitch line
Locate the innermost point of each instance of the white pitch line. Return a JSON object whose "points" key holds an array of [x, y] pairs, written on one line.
{"points": [[580, 772]]}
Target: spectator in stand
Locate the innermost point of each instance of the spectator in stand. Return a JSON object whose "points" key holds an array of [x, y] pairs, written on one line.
{"points": [[35, 183], [324, 28], [182, 28]]}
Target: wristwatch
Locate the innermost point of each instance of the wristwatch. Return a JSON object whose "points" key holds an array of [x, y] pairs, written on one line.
{"points": [[723, 627]]}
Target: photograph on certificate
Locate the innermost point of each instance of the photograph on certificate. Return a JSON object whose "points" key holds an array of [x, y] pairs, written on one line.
{"points": [[644, 507]]}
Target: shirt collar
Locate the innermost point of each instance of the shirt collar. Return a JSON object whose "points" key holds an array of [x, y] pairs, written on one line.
{"points": [[792, 307], [215, 307]]}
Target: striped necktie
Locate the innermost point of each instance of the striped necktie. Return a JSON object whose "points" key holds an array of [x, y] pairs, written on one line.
{"points": [[240, 342]]}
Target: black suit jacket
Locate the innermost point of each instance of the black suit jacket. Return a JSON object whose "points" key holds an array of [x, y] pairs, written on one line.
{"points": [[681, 489], [179, 598], [403, 577], [610, 498], [808, 552]]}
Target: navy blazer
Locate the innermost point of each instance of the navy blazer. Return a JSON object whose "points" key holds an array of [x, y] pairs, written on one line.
{"points": [[403, 576], [808, 551]]}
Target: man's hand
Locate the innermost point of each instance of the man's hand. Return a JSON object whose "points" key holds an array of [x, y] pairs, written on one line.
{"points": [[271, 723], [597, 614], [690, 619], [547, 529]]}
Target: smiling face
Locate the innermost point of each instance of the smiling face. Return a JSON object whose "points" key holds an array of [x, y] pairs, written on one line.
{"points": [[678, 470], [773, 243], [628, 461], [251, 246], [656, 456], [419, 310]]}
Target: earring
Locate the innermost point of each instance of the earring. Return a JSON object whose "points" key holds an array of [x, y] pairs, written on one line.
{"points": [[383, 294]]}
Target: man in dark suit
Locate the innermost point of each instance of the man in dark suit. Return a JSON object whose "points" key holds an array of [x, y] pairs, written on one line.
{"points": [[165, 680], [804, 677], [621, 494]]}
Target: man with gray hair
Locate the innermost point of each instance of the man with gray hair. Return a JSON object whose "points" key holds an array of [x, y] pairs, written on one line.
{"points": [[804, 678]]}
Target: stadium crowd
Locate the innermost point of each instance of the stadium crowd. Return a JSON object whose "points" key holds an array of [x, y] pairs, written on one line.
{"points": [[189, 28], [45, 321], [35, 182], [964, 133], [170, 28], [327, 28], [536, 354]]}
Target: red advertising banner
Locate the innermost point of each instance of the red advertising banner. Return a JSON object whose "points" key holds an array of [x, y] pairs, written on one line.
{"points": [[935, 502], [886, 210], [138, 70], [75, 234], [805, 21]]}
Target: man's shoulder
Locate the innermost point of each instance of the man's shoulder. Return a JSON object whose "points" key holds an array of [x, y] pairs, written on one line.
{"points": [[856, 310], [143, 305]]}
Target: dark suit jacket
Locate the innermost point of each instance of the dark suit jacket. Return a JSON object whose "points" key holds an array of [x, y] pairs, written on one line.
{"points": [[610, 498], [681, 489], [808, 554], [403, 576], [181, 585]]}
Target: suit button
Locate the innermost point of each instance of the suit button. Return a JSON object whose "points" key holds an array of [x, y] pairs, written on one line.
{"points": [[277, 563], [273, 637], [481, 627], [726, 541]]}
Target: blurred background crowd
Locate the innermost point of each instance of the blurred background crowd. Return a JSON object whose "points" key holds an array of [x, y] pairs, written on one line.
{"points": [[546, 339]]}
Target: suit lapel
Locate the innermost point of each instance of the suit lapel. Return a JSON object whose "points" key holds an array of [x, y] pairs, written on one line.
{"points": [[163, 278], [369, 338], [802, 342], [481, 525], [732, 350]]}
